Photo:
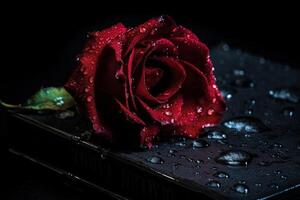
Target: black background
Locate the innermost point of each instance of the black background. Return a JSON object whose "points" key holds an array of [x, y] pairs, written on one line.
{"points": [[39, 44]]}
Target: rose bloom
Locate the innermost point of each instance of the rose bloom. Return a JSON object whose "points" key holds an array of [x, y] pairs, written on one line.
{"points": [[156, 79]]}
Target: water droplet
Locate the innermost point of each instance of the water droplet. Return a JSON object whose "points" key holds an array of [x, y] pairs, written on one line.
{"points": [[225, 47], [155, 160], [168, 113], [59, 101], [216, 135], [283, 177], [142, 29], [180, 144], [91, 79], [284, 94], [274, 186], [228, 93], [199, 109], [86, 90], [238, 72], [277, 145], [221, 175], [166, 105], [245, 124], [213, 184], [288, 111], [249, 112], [241, 188], [172, 151], [89, 98], [234, 158], [199, 143], [243, 82], [277, 172], [65, 114], [210, 111]]}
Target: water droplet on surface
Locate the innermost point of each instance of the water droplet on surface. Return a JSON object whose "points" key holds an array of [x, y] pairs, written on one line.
{"points": [[257, 184], [288, 111], [225, 47], [216, 135], [221, 175], [274, 186], [283, 177], [155, 160], [172, 151], [284, 94], [227, 93], [249, 112], [245, 124], [214, 184], [199, 143], [241, 188], [65, 114], [238, 72], [234, 158]]}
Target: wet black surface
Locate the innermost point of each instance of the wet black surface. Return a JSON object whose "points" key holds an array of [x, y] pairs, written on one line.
{"points": [[261, 133]]}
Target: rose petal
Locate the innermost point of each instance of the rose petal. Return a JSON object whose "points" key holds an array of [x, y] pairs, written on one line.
{"points": [[191, 49], [138, 70], [166, 113], [175, 78], [81, 83], [154, 27], [152, 76], [131, 116]]}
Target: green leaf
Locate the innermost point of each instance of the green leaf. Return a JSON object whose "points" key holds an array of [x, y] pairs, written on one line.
{"points": [[46, 99]]}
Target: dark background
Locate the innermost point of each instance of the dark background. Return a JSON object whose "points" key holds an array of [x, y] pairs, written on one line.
{"points": [[39, 44]]}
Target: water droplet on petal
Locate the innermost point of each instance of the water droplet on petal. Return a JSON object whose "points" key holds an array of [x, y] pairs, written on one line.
{"points": [[89, 98], [210, 111], [168, 113], [142, 29], [91, 80], [199, 109]]}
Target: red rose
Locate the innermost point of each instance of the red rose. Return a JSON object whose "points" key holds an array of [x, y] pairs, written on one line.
{"points": [[154, 79]]}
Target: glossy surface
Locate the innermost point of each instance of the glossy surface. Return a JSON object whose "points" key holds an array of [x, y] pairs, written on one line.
{"points": [[274, 166]]}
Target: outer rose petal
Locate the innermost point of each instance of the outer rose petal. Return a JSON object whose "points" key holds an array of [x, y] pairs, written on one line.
{"points": [[81, 83], [153, 28], [191, 49]]}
